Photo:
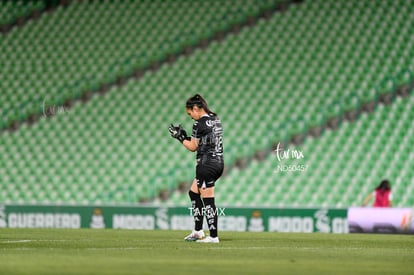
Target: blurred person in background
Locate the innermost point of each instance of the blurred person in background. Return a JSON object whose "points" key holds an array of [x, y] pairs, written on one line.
{"points": [[382, 195]]}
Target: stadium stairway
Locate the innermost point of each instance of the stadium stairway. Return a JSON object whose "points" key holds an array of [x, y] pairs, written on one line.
{"points": [[17, 13]]}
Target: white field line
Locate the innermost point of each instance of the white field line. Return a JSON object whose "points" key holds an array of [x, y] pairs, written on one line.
{"points": [[17, 241], [28, 241]]}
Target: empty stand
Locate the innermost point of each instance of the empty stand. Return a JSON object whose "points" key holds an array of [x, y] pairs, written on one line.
{"points": [[80, 47], [319, 62], [11, 12], [338, 169]]}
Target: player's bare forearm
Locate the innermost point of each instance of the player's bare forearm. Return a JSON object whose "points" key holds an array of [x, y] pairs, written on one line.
{"points": [[367, 199], [191, 144]]}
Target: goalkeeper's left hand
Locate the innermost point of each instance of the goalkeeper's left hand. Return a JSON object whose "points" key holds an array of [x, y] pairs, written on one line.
{"points": [[178, 132]]}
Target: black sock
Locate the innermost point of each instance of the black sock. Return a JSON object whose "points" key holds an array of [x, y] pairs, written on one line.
{"points": [[197, 205], [211, 216]]}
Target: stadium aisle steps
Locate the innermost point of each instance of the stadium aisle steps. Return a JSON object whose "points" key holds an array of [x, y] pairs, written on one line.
{"points": [[17, 13]]}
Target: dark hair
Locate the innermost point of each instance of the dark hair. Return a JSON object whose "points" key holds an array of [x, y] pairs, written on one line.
{"points": [[200, 102], [384, 185]]}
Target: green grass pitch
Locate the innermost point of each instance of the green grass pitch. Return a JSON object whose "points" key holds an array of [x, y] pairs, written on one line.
{"points": [[88, 251]]}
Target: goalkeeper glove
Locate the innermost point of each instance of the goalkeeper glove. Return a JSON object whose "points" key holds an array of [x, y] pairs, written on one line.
{"points": [[178, 132]]}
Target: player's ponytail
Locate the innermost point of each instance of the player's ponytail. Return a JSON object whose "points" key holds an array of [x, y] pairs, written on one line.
{"points": [[200, 102]]}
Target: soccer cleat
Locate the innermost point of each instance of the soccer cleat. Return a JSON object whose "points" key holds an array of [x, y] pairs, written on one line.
{"points": [[209, 239], [194, 236]]}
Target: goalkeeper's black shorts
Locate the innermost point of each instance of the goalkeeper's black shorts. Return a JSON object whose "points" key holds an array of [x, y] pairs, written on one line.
{"points": [[208, 171]]}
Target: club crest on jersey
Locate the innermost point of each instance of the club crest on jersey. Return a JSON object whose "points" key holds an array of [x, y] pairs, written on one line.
{"points": [[210, 123]]}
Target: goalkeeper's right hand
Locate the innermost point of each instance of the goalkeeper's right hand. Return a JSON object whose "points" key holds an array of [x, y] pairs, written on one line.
{"points": [[178, 132]]}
